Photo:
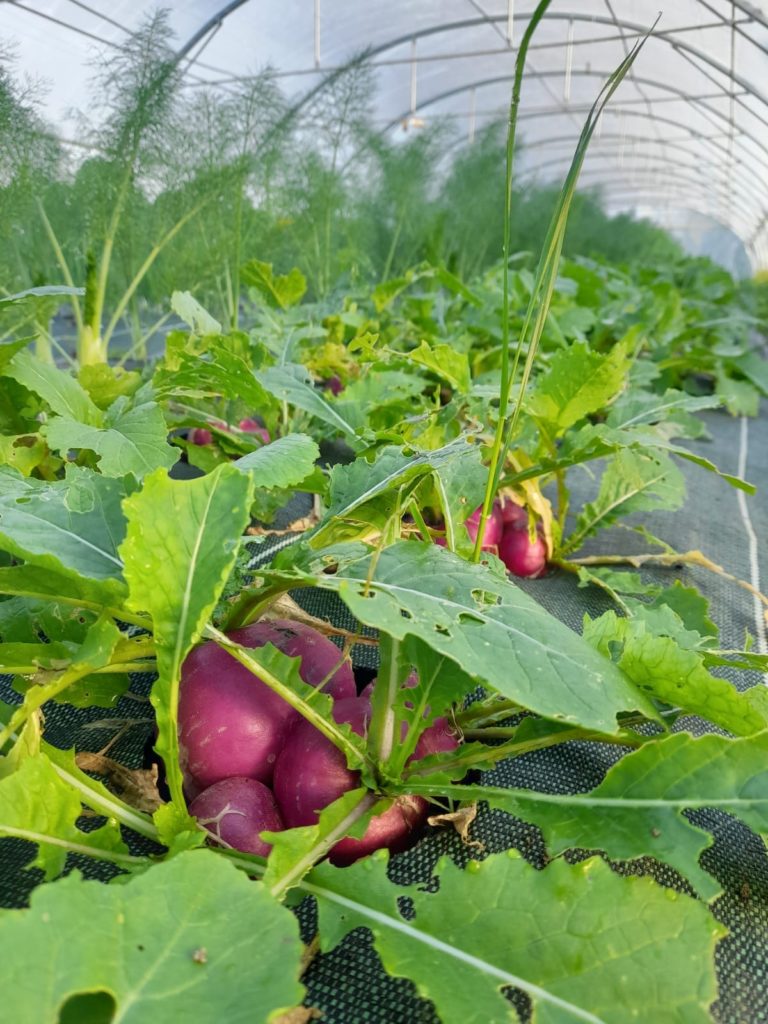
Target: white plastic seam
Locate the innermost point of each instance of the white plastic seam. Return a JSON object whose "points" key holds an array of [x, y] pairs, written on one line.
{"points": [[754, 561]]}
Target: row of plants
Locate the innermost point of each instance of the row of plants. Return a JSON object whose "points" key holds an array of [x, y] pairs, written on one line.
{"points": [[280, 779], [172, 187]]}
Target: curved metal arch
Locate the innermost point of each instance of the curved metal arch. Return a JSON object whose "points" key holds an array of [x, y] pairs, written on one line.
{"points": [[693, 133], [502, 79], [687, 180], [620, 23], [658, 161], [678, 188], [217, 19]]}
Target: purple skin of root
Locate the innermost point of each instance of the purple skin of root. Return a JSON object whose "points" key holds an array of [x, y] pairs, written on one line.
{"points": [[235, 811], [230, 722]]}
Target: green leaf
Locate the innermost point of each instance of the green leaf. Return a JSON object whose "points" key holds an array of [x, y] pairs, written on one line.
{"points": [[632, 482], [659, 666], [188, 309], [8, 350], [446, 362], [220, 372], [72, 526], [460, 484], [37, 805], [180, 547], [52, 683], [105, 383], [284, 462], [24, 452], [755, 369], [34, 581], [63, 393], [160, 945], [281, 291], [293, 384], [636, 408], [357, 491], [741, 398], [638, 808], [584, 943], [130, 440], [489, 627], [578, 382]]}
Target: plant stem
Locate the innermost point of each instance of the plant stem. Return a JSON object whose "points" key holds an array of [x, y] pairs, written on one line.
{"points": [[322, 847], [88, 851], [63, 265], [141, 273], [506, 378]]}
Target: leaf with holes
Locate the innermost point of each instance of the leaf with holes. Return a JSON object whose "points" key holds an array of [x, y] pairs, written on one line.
{"points": [[497, 634], [638, 808], [581, 942], [159, 946], [72, 526]]}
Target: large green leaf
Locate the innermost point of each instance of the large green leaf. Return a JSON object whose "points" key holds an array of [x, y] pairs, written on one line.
{"points": [[221, 372], [490, 628], [632, 482], [660, 666], [293, 384], [284, 462], [37, 805], [577, 382], [638, 808], [180, 547], [63, 393], [72, 526], [583, 943], [129, 441], [367, 493], [190, 940], [35, 581]]}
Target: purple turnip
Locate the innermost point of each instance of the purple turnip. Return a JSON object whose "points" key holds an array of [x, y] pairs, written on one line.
{"points": [[250, 426], [521, 555], [236, 811], [230, 722]]}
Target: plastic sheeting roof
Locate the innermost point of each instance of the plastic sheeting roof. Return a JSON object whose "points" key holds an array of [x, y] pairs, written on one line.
{"points": [[686, 134]]}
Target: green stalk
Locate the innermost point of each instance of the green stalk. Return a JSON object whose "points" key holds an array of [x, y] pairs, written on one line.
{"points": [[546, 275], [321, 848], [549, 261], [141, 273], [63, 265], [122, 859], [506, 377]]}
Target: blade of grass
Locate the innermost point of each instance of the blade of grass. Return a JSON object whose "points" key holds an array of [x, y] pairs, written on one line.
{"points": [[544, 281], [504, 390]]}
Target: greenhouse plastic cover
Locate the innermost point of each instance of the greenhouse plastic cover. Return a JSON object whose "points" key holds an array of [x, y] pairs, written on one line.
{"points": [[685, 139]]}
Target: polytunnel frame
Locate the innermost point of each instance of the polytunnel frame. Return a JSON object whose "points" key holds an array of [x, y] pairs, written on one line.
{"points": [[683, 48], [627, 30], [614, 109], [670, 37]]}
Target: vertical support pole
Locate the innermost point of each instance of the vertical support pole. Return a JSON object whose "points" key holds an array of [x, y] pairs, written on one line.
{"points": [[413, 77], [472, 114], [511, 22], [317, 33], [568, 64]]}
